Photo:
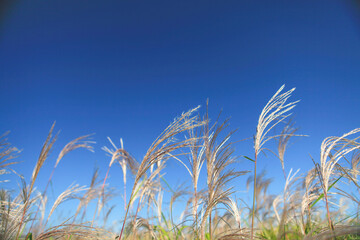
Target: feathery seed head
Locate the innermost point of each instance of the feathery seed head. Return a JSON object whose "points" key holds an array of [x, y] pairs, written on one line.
{"points": [[274, 111]]}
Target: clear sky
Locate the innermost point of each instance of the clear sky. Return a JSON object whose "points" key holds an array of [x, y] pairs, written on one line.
{"points": [[127, 68]]}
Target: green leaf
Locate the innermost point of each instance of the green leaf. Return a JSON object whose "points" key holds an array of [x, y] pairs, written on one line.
{"points": [[163, 217], [207, 236], [179, 232], [322, 195], [28, 236], [162, 231], [163, 179], [248, 158]]}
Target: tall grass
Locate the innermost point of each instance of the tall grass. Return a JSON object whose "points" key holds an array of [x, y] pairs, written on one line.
{"points": [[321, 203]]}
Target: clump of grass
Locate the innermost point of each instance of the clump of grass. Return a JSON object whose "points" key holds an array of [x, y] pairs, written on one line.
{"points": [[7, 154], [162, 149], [274, 112], [313, 205], [219, 159], [332, 150], [75, 231], [80, 142]]}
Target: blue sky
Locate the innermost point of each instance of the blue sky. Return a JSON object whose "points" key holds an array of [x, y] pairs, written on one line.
{"points": [[127, 68]]}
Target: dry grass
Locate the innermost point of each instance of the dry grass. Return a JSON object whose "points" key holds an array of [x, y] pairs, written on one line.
{"points": [[322, 203]]}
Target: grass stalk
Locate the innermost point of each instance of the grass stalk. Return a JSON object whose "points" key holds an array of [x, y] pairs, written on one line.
{"points": [[254, 199]]}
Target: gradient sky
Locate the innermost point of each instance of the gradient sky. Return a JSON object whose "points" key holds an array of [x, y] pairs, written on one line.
{"points": [[127, 68]]}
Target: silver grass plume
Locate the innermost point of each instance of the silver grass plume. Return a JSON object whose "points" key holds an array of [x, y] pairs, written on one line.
{"points": [[341, 146], [163, 148], [274, 112]]}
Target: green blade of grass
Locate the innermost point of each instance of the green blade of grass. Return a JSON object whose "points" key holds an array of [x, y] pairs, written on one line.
{"points": [[322, 195], [28, 236], [249, 158], [163, 179]]}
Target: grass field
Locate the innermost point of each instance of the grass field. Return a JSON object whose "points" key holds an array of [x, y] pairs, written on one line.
{"points": [[311, 205]]}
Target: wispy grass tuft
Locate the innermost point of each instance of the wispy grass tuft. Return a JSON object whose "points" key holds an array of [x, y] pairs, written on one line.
{"points": [[274, 112], [321, 203]]}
